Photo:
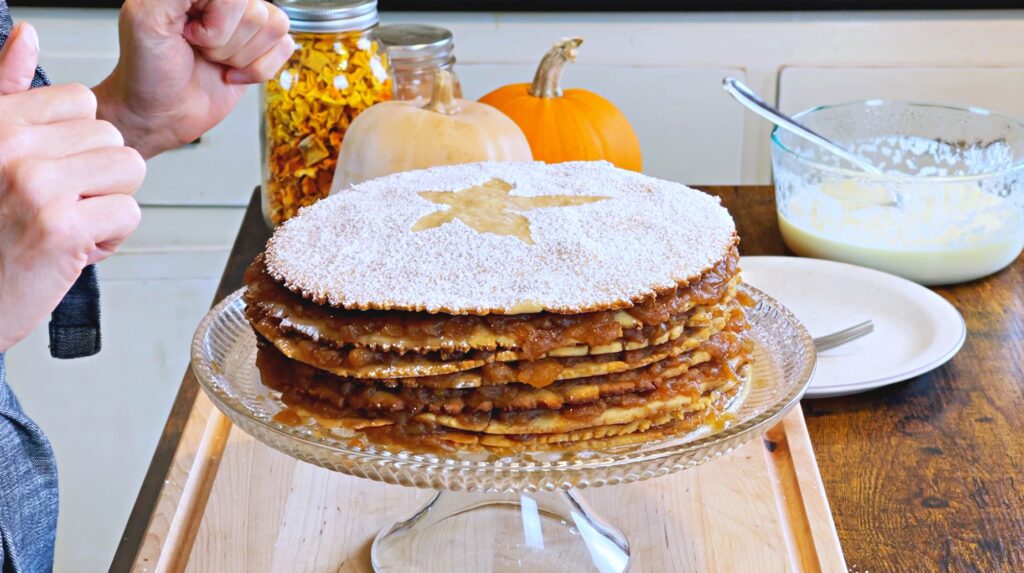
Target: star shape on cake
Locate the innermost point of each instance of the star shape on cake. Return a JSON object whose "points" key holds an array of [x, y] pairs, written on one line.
{"points": [[491, 208]]}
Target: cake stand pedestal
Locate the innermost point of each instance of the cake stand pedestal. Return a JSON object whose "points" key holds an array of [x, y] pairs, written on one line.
{"points": [[465, 531]]}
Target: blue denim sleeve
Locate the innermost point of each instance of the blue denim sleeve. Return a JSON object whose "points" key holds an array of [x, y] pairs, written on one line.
{"points": [[28, 489]]}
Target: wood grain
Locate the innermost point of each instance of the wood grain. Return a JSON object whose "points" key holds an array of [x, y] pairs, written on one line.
{"points": [[195, 493], [252, 236], [719, 517], [925, 475]]}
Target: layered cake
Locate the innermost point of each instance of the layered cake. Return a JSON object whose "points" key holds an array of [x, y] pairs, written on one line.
{"points": [[503, 306]]}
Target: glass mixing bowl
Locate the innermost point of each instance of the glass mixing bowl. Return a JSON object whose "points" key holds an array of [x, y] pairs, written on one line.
{"points": [[949, 207]]}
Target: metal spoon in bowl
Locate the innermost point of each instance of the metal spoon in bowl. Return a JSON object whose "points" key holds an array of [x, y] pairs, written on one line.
{"points": [[754, 103], [751, 101]]}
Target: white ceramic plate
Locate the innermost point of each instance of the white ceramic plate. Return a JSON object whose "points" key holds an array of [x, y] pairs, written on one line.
{"points": [[916, 330]]}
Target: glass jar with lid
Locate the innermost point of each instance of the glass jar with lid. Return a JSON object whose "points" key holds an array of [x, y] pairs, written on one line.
{"points": [[338, 70], [416, 52]]}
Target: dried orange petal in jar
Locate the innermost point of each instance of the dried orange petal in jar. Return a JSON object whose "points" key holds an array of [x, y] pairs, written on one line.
{"points": [[338, 70]]}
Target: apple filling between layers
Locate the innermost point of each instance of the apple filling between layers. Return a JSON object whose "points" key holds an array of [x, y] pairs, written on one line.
{"points": [[679, 374]]}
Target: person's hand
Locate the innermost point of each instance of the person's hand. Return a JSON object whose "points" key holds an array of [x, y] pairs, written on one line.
{"points": [[185, 64], [66, 184]]}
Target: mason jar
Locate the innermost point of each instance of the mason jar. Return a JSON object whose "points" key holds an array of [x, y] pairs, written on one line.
{"points": [[416, 52], [338, 70]]}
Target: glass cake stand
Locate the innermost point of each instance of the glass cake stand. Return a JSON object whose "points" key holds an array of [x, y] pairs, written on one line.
{"points": [[515, 513]]}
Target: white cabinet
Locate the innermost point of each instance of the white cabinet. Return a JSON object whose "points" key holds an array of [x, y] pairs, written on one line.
{"points": [[689, 130], [176, 243], [220, 169], [999, 89], [104, 414]]}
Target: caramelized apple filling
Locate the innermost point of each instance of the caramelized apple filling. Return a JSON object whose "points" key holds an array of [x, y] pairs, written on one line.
{"points": [[532, 334]]}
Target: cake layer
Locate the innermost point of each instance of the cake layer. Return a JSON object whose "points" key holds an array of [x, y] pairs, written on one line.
{"points": [[418, 435], [603, 437], [502, 238], [652, 392], [531, 335], [490, 367], [352, 395]]}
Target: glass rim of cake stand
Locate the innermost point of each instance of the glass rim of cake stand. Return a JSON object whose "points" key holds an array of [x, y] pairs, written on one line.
{"points": [[663, 449], [777, 144]]}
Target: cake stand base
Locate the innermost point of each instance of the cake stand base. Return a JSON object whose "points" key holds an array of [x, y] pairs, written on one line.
{"points": [[458, 532]]}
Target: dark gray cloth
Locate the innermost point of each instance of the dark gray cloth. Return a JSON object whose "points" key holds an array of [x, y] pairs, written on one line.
{"points": [[75, 323]]}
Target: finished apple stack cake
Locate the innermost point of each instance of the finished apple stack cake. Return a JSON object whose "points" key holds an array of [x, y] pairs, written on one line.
{"points": [[504, 306]]}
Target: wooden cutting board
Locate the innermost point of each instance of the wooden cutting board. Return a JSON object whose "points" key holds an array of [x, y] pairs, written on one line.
{"points": [[232, 504]]}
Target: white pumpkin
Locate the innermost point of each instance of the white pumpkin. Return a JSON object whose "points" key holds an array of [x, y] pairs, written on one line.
{"points": [[395, 136]]}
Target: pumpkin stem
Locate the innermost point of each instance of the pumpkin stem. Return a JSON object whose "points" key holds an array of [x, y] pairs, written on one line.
{"points": [[442, 99], [547, 81]]}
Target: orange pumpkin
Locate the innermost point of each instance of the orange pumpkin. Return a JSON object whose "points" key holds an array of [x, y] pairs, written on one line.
{"points": [[567, 126]]}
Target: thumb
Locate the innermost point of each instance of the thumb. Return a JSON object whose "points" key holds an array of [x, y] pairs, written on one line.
{"points": [[18, 59]]}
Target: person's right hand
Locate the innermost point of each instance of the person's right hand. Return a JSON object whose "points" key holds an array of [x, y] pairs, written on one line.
{"points": [[66, 185]]}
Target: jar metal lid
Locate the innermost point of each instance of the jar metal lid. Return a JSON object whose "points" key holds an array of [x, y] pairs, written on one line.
{"points": [[417, 45], [329, 15]]}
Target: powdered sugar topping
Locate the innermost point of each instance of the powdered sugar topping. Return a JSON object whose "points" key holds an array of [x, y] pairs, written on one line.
{"points": [[357, 249]]}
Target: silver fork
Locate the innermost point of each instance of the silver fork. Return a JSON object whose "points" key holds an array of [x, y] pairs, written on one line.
{"points": [[843, 336]]}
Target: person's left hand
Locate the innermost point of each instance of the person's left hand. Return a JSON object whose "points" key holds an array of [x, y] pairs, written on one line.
{"points": [[185, 64]]}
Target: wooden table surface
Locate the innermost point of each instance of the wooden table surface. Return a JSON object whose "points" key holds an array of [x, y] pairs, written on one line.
{"points": [[926, 475]]}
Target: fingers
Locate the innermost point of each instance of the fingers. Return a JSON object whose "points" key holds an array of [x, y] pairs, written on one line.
{"points": [[253, 23], [109, 219], [49, 105], [78, 206], [51, 146], [79, 135], [273, 32], [58, 139], [95, 173], [99, 172], [255, 48], [18, 59], [266, 66], [214, 22]]}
